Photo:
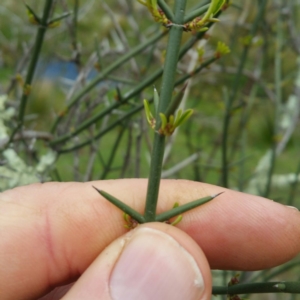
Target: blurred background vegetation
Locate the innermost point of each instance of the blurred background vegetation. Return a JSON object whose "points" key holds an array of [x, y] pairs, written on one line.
{"points": [[244, 133]]}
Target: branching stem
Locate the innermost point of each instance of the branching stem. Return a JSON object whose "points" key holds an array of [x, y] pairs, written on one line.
{"points": [[167, 86]]}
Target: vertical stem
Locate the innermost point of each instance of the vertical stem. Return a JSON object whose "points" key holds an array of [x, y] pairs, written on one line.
{"points": [[165, 7], [165, 98], [294, 184], [113, 152], [278, 93], [235, 87], [34, 59], [154, 177], [75, 21], [35, 55]]}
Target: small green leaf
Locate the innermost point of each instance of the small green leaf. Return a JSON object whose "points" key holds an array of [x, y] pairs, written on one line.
{"points": [[126, 217], [153, 8], [154, 5], [215, 6], [177, 220], [171, 120], [200, 52], [222, 49], [203, 29], [185, 116], [149, 116], [53, 24], [199, 23], [163, 120], [176, 204], [179, 114]]}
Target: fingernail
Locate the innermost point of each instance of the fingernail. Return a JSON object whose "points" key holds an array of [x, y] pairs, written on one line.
{"points": [[292, 207], [153, 265]]}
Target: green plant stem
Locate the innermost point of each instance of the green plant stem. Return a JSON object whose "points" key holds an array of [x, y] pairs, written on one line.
{"points": [[104, 74], [278, 97], [34, 59], [109, 109], [261, 287], [183, 208], [55, 175], [154, 177], [127, 97], [277, 272], [59, 18], [241, 136], [175, 102], [113, 153], [104, 131], [197, 70], [167, 86], [166, 9], [196, 13], [75, 23], [148, 81], [32, 66], [170, 66], [124, 207], [293, 189], [235, 87]]}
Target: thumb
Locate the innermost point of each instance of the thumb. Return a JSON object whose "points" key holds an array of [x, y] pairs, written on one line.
{"points": [[153, 261]]}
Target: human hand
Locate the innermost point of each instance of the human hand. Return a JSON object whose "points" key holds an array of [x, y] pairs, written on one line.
{"points": [[58, 233]]}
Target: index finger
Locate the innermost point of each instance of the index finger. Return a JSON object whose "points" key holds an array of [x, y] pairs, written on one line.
{"points": [[50, 233]]}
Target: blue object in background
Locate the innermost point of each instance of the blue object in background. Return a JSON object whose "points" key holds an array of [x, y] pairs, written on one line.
{"points": [[64, 73], [56, 69]]}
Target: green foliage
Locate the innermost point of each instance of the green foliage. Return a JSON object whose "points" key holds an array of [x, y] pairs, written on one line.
{"points": [[255, 103], [244, 132], [252, 115]]}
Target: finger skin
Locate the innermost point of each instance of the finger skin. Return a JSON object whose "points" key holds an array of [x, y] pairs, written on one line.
{"points": [[50, 233]]}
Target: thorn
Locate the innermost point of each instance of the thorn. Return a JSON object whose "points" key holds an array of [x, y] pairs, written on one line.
{"points": [[216, 195], [99, 191], [184, 86]]}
